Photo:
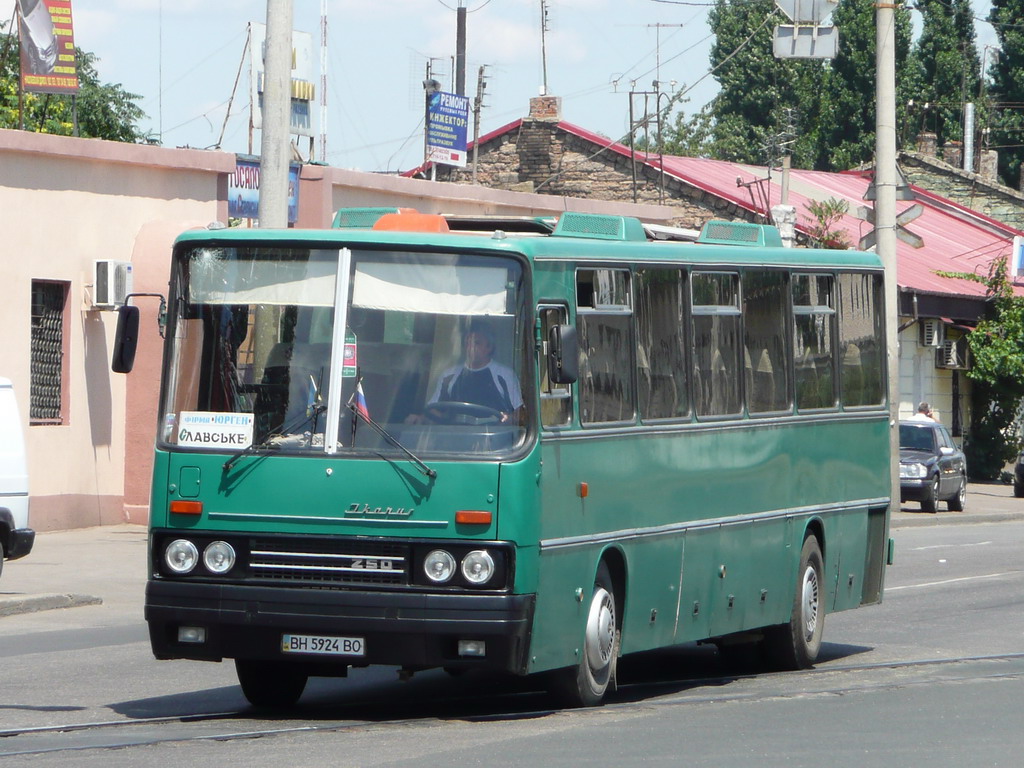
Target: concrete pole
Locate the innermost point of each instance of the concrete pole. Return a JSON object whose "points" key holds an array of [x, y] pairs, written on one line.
{"points": [[460, 50], [885, 209], [275, 147]]}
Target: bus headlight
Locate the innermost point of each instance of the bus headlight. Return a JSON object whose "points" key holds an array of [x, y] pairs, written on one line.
{"points": [[439, 566], [219, 557], [181, 556], [478, 566]]}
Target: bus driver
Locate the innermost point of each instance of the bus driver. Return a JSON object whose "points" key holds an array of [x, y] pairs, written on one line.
{"points": [[478, 380]]}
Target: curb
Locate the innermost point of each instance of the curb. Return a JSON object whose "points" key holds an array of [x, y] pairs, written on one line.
{"points": [[10, 606], [921, 519]]}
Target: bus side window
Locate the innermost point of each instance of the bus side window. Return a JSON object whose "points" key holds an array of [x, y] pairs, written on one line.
{"points": [[861, 339], [606, 346], [813, 342], [555, 399], [716, 343], [764, 338], [660, 324]]}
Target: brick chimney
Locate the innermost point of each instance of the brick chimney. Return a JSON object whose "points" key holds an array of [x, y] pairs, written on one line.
{"points": [[927, 144], [548, 108], [953, 153], [989, 167]]}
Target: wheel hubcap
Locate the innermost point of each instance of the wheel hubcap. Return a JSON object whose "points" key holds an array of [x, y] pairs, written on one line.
{"points": [[809, 601], [600, 639]]}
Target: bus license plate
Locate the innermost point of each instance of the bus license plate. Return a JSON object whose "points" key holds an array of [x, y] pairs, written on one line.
{"points": [[325, 646]]}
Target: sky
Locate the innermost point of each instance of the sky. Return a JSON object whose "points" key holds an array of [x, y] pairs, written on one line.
{"points": [[183, 57]]}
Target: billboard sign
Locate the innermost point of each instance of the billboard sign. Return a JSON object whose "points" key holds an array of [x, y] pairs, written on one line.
{"points": [[303, 88], [47, 46], [244, 190], [447, 127]]}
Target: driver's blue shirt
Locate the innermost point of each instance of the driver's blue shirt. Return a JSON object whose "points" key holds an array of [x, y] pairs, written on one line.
{"points": [[494, 386]]}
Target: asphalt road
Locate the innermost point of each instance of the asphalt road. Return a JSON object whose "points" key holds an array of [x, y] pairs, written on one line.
{"points": [[932, 676]]}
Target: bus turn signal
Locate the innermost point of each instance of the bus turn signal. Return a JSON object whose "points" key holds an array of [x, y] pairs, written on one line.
{"points": [[476, 516]]}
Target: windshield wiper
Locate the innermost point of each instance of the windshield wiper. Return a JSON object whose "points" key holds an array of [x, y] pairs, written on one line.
{"points": [[391, 439], [312, 414]]}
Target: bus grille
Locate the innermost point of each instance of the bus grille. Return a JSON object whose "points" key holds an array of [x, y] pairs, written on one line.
{"points": [[329, 562]]}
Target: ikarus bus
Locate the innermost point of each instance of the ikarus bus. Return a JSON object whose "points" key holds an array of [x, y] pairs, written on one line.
{"points": [[522, 445]]}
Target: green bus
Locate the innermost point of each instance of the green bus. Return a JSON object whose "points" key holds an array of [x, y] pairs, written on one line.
{"points": [[524, 445]]}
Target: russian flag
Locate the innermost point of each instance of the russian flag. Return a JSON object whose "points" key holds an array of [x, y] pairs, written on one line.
{"points": [[359, 400]]}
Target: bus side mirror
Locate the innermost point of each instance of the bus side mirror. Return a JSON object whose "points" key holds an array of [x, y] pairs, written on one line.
{"points": [[126, 340], [563, 355]]}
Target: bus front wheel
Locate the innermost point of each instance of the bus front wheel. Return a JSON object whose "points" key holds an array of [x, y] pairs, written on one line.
{"points": [[269, 684], [586, 684], [795, 645]]}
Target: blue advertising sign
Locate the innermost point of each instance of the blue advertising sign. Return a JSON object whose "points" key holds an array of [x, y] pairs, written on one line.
{"points": [[447, 126], [244, 191]]}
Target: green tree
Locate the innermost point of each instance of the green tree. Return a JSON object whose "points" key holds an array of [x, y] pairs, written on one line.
{"points": [[742, 122], [105, 110], [997, 372], [822, 227], [1007, 88], [834, 100], [846, 125], [946, 68]]}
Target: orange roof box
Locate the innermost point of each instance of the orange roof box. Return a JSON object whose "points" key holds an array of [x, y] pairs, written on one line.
{"points": [[411, 222]]}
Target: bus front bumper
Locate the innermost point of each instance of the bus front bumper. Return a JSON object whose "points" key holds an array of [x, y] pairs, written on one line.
{"points": [[412, 630]]}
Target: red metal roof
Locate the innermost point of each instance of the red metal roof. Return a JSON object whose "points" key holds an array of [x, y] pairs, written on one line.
{"points": [[955, 238]]}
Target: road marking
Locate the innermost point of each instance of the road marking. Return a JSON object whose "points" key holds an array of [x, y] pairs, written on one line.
{"points": [[953, 581], [947, 546]]}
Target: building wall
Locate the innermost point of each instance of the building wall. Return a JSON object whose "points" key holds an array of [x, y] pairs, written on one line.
{"points": [[971, 190], [920, 380], [539, 157], [64, 203], [351, 189]]}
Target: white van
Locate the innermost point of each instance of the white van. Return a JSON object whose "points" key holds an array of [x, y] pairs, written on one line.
{"points": [[16, 538]]}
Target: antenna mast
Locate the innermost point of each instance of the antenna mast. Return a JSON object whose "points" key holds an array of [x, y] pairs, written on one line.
{"points": [[544, 46], [323, 81]]}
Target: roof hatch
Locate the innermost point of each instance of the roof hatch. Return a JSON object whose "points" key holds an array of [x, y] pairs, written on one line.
{"points": [[718, 232]]}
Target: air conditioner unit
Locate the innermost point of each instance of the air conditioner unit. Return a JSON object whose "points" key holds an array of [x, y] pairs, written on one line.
{"points": [[954, 353], [112, 282], [932, 332]]}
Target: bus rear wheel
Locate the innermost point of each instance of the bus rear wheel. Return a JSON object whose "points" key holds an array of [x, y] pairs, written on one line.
{"points": [[270, 684], [796, 645], [586, 684]]}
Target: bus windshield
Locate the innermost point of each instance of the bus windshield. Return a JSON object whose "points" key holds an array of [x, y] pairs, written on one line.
{"points": [[433, 354]]}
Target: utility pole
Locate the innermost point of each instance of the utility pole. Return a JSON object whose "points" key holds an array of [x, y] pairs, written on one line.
{"points": [[275, 147], [430, 87], [460, 50], [885, 206], [478, 104]]}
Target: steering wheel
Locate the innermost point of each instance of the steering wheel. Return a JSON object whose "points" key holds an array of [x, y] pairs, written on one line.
{"points": [[449, 410]]}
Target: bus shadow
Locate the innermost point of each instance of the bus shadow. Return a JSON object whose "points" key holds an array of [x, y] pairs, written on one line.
{"points": [[377, 694]]}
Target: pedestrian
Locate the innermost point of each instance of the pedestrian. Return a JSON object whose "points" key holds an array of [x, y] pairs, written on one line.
{"points": [[924, 413]]}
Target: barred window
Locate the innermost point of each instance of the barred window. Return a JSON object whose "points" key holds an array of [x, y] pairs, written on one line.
{"points": [[46, 388]]}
